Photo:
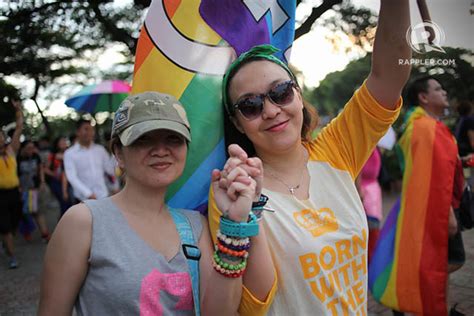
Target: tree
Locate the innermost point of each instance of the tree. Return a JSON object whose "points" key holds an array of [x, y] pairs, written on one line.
{"points": [[338, 87], [53, 43], [454, 69], [358, 23], [7, 93]]}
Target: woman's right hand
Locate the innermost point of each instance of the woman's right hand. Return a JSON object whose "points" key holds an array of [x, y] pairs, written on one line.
{"points": [[253, 166]]}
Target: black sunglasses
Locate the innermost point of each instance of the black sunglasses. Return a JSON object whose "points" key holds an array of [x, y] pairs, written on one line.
{"points": [[251, 107]]}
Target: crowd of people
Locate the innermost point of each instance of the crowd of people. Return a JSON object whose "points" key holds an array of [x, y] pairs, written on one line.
{"points": [[30, 168], [122, 249]]}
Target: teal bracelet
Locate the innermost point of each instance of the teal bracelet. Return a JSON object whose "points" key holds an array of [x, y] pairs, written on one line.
{"points": [[242, 229]]}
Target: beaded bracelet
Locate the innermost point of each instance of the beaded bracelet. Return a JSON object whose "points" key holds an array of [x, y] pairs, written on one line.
{"points": [[230, 258], [227, 273], [232, 247], [229, 266], [232, 240], [233, 253]]}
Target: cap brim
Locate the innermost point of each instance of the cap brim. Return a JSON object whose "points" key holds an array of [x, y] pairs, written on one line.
{"points": [[132, 133]]}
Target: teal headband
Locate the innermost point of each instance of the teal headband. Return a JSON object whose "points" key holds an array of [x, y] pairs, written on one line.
{"points": [[257, 52]]}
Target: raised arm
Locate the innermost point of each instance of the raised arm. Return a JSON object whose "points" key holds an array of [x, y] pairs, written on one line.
{"points": [[15, 144], [388, 75]]}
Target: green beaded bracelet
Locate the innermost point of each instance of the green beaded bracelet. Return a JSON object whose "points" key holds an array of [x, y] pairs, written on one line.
{"points": [[229, 266]]}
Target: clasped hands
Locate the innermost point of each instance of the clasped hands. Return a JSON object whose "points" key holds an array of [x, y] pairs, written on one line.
{"points": [[238, 184]]}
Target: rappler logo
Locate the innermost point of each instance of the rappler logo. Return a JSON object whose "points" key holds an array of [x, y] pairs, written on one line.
{"points": [[418, 37]]}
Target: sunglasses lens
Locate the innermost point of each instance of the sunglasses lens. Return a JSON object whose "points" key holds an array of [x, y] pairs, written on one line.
{"points": [[250, 107], [282, 93]]}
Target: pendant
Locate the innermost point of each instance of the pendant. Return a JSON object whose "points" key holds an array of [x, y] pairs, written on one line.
{"points": [[293, 189]]}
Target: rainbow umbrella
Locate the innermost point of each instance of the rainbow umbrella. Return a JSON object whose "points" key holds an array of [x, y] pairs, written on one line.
{"points": [[102, 97]]}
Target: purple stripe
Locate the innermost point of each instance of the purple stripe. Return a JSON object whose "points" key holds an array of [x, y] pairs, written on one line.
{"points": [[234, 23], [391, 220]]}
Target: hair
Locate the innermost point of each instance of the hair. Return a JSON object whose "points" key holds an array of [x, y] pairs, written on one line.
{"points": [[54, 147], [82, 122], [72, 138], [233, 136], [418, 85], [115, 143], [464, 108], [24, 143]]}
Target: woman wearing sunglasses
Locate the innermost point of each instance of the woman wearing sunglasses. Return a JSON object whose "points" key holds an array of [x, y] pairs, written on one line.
{"points": [[318, 233], [131, 254]]}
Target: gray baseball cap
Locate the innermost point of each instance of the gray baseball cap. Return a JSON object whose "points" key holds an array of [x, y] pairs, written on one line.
{"points": [[148, 111]]}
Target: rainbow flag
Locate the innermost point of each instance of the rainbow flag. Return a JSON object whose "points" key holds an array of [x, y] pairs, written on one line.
{"points": [[184, 48], [408, 271]]}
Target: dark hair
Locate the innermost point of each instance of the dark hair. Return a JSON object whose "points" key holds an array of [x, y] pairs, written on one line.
{"points": [[82, 122], [418, 85], [233, 136], [54, 147], [72, 138], [115, 143], [464, 108], [26, 142]]}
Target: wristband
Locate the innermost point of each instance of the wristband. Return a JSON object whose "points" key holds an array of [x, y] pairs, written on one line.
{"points": [[262, 200], [242, 229]]}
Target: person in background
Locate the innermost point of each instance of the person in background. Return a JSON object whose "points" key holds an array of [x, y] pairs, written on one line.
{"points": [[428, 241], [10, 200], [55, 175], [44, 149], [464, 133], [371, 195], [86, 164], [32, 181]]}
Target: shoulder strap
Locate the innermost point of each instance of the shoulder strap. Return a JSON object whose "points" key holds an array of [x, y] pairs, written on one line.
{"points": [[191, 252]]}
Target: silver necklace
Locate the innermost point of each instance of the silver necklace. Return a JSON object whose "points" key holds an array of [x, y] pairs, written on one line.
{"points": [[291, 189]]}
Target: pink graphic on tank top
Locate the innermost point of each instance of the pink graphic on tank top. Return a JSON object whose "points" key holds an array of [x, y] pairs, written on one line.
{"points": [[176, 284]]}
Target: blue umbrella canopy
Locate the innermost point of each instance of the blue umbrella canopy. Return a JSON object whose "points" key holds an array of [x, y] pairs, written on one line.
{"points": [[103, 97]]}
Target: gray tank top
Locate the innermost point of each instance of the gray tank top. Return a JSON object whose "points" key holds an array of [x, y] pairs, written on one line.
{"points": [[126, 276]]}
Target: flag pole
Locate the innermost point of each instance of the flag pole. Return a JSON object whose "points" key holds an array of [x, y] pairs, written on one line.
{"points": [[425, 17]]}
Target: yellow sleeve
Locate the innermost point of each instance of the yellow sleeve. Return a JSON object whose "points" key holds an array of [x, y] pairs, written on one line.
{"points": [[348, 140], [249, 305]]}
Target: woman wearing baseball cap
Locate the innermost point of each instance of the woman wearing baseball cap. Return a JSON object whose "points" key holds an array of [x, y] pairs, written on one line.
{"points": [[132, 254]]}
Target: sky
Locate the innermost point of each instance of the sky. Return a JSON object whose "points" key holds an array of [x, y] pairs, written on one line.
{"points": [[315, 56]]}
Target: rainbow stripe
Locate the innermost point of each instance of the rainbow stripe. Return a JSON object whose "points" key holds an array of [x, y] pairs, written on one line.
{"points": [[30, 201], [408, 271], [183, 50]]}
